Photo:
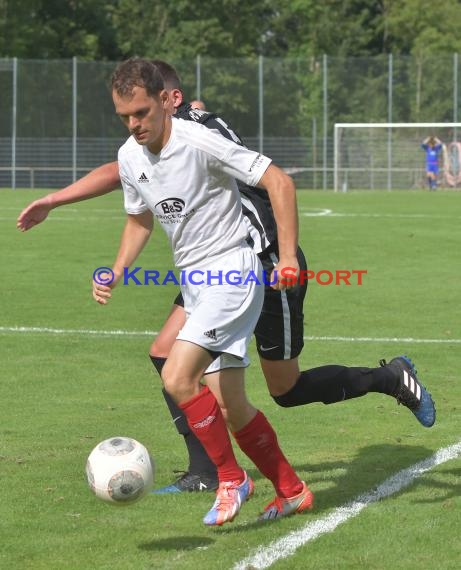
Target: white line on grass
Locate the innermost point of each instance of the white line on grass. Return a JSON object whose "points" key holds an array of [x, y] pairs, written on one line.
{"points": [[326, 213], [67, 209], [265, 556], [386, 339], [48, 330], [73, 218], [120, 332]]}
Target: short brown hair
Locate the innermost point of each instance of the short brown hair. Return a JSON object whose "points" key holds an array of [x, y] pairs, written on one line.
{"points": [[169, 74], [137, 72]]}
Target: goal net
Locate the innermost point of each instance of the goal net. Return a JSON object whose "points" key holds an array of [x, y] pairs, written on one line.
{"points": [[389, 156]]}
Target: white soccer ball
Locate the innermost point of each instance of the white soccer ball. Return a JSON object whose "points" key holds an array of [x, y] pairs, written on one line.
{"points": [[120, 471]]}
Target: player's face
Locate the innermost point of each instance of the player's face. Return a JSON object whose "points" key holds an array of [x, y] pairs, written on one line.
{"points": [[145, 116]]}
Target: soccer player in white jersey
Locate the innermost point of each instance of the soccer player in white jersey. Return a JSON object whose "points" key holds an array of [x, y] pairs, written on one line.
{"points": [[183, 174], [287, 384]]}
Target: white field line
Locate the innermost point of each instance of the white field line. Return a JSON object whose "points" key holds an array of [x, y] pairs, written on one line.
{"points": [[69, 209], [49, 330], [286, 546], [73, 218], [385, 339], [328, 213], [120, 332]]}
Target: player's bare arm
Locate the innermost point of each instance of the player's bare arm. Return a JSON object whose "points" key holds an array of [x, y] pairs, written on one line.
{"points": [[135, 235], [98, 182], [282, 194]]}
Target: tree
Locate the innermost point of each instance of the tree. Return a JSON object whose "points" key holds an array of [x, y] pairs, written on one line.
{"points": [[53, 29], [186, 28]]}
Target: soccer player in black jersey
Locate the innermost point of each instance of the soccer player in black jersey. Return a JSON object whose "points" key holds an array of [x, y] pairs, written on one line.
{"points": [[280, 329]]}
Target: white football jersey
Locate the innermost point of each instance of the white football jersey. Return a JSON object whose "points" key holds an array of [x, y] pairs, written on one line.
{"points": [[190, 187]]}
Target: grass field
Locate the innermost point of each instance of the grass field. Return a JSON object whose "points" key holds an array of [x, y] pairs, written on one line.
{"points": [[66, 385]]}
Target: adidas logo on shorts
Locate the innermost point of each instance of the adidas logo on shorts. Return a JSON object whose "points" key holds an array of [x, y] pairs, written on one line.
{"points": [[211, 334]]}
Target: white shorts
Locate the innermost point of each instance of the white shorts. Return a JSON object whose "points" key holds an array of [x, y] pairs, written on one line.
{"points": [[221, 316]]}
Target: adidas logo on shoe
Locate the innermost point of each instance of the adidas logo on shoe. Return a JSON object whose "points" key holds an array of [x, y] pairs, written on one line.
{"points": [[143, 178], [411, 392], [211, 334]]}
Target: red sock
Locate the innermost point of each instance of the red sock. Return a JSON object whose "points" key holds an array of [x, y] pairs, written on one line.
{"points": [[259, 441], [207, 423]]}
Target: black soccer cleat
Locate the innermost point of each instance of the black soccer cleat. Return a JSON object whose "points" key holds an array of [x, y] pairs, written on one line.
{"points": [[410, 392], [190, 483]]}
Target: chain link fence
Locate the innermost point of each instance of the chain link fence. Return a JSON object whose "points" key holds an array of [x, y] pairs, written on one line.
{"points": [[57, 120]]}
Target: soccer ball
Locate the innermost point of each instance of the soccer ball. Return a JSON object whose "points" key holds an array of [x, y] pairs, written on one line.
{"points": [[120, 471]]}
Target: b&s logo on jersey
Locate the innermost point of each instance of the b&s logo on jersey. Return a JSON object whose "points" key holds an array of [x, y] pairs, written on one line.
{"points": [[171, 210], [170, 205]]}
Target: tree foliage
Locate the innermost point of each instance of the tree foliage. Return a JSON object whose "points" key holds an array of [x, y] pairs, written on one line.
{"points": [[115, 29], [294, 36], [56, 29]]}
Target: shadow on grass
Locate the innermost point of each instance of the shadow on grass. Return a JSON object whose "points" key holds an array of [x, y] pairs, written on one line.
{"points": [[336, 483], [444, 490], [344, 481], [177, 543], [370, 467]]}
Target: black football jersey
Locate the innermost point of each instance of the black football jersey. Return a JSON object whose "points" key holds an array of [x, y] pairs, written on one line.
{"points": [[256, 206]]}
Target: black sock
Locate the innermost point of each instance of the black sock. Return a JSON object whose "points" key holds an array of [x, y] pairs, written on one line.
{"points": [[199, 462], [158, 362], [334, 383]]}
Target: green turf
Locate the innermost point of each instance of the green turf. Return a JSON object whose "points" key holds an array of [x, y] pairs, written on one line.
{"points": [[64, 392]]}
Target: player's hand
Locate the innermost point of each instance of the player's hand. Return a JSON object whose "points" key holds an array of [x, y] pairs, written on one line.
{"points": [[33, 214], [103, 283], [101, 293], [287, 272]]}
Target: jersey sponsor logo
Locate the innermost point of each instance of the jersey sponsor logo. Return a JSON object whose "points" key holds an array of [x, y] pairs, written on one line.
{"points": [[170, 205], [171, 211], [211, 334], [143, 178]]}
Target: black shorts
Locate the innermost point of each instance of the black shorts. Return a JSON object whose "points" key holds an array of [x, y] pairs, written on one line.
{"points": [[279, 331]]}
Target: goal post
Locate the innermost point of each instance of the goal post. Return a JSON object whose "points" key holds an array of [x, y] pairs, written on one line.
{"points": [[389, 156]]}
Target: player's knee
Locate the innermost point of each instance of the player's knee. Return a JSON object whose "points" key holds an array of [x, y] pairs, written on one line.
{"points": [[159, 348], [281, 375]]}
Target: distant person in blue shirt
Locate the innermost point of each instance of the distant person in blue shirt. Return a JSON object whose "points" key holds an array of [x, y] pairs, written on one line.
{"points": [[432, 146]]}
